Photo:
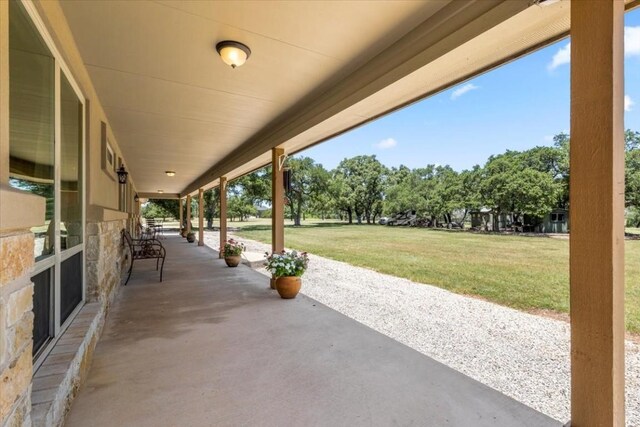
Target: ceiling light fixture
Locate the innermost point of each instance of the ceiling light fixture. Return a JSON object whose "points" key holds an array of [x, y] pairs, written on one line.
{"points": [[233, 53], [160, 191], [170, 173]]}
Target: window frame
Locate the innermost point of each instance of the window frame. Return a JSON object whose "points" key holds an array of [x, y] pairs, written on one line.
{"points": [[59, 256]]}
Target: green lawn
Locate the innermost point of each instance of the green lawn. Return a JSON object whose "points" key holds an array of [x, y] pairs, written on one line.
{"points": [[526, 273]]}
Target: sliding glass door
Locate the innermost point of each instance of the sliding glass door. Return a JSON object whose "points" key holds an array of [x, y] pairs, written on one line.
{"points": [[46, 155]]}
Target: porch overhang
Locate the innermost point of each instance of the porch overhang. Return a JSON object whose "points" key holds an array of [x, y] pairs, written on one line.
{"points": [[314, 73]]}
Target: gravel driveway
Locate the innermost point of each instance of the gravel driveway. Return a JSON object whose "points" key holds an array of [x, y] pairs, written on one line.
{"points": [[522, 355]]}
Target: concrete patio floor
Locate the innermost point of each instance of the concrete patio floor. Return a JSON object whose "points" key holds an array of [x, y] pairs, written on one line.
{"points": [[214, 346]]}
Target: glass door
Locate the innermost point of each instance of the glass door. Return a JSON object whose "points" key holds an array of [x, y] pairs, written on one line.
{"points": [[46, 158], [71, 192]]}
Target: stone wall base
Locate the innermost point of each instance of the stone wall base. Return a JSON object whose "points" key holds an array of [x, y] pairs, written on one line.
{"points": [[57, 381], [16, 326]]}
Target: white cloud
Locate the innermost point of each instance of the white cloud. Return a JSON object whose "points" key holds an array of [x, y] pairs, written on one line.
{"points": [[632, 40], [385, 144], [631, 48], [462, 90], [628, 103], [562, 56]]}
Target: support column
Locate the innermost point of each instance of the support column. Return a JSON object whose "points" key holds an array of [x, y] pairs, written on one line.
{"points": [[597, 214], [200, 217], [189, 214], [181, 218], [277, 200], [223, 213]]}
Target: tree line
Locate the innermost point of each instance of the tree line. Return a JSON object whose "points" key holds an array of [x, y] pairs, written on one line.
{"points": [[361, 189]]}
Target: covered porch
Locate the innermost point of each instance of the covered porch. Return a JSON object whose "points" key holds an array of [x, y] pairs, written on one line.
{"points": [[138, 84], [212, 345]]}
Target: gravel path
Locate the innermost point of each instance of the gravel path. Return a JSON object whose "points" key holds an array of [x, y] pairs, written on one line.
{"points": [[522, 355]]}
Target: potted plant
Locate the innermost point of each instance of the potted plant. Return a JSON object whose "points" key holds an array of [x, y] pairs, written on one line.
{"points": [[287, 268], [191, 237], [232, 252]]}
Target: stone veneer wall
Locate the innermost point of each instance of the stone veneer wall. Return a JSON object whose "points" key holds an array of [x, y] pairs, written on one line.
{"points": [[105, 259], [16, 327]]}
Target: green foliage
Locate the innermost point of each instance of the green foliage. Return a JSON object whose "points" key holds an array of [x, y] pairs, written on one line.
{"points": [[161, 208], [401, 194], [287, 264], [254, 188], [211, 200], [232, 248], [516, 183], [240, 208], [361, 190], [309, 180], [632, 170]]}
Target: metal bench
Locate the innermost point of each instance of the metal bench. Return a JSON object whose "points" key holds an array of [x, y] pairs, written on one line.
{"points": [[146, 248]]}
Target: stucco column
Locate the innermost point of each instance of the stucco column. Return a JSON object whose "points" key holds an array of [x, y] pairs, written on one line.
{"points": [[189, 213], [223, 213], [200, 217], [597, 214], [277, 200], [181, 217]]}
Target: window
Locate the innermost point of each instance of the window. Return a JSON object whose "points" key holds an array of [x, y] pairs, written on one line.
{"points": [[46, 153], [31, 120]]}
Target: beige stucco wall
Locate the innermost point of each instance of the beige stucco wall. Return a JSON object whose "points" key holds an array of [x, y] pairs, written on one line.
{"points": [[102, 189], [19, 211]]}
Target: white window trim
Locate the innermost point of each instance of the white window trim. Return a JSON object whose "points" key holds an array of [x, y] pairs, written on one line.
{"points": [[60, 256]]}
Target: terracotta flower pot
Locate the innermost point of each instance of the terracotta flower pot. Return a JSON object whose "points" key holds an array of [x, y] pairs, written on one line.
{"points": [[288, 286], [273, 283], [233, 260]]}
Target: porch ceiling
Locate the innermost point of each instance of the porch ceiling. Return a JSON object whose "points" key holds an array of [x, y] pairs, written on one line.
{"points": [[316, 70]]}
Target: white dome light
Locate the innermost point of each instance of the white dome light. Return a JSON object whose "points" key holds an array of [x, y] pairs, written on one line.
{"points": [[233, 53]]}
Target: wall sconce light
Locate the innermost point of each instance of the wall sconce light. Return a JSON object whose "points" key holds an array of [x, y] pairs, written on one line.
{"points": [[233, 53], [136, 198], [122, 175]]}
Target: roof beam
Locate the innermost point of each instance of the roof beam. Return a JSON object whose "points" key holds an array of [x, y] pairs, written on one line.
{"points": [[159, 195], [452, 26]]}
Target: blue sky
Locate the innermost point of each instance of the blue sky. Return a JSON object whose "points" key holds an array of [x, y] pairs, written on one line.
{"points": [[517, 106]]}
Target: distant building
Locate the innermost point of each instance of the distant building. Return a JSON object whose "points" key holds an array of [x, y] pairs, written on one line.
{"points": [[556, 221], [487, 220]]}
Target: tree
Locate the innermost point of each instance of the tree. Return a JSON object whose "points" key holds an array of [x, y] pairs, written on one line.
{"points": [[364, 177], [632, 173], [254, 187], [342, 196], [509, 186], [470, 190], [446, 194], [161, 208], [211, 199], [240, 207], [308, 180], [401, 194]]}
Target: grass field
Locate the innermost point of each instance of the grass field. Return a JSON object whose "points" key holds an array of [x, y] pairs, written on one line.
{"points": [[527, 273]]}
